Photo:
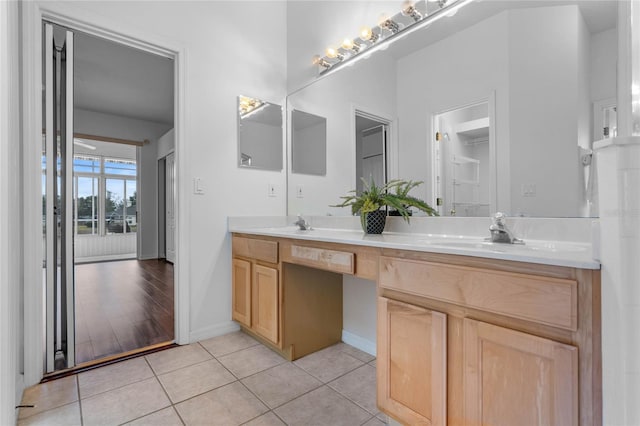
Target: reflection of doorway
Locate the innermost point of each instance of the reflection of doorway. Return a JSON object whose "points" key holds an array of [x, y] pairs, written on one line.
{"points": [[113, 101], [371, 150], [464, 166]]}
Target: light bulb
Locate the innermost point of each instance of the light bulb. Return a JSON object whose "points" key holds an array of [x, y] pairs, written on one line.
{"points": [[367, 34], [409, 9], [318, 60], [388, 24], [333, 53], [348, 44]]}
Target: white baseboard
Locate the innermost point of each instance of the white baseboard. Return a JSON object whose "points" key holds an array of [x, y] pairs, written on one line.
{"points": [[358, 342], [213, 331], [91, 259]]}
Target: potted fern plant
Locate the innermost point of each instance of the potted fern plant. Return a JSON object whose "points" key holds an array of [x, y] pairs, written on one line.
{"points": [[372, 202]]}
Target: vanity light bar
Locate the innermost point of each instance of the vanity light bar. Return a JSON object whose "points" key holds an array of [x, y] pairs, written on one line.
{"points": [[370, 40], [249, 106]]}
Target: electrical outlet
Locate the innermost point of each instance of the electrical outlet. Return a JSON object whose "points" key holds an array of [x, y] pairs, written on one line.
{"points": [[528, 189], [300, 191], [271, 190]]}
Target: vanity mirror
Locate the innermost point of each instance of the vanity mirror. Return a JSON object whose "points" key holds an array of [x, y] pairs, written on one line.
{"points": [[259, 134], [308, 143], [534, 70]]}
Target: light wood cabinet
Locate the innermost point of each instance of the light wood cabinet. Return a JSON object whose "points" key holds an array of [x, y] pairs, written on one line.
{"points": [[241, 292], [519, 343], [514, 378], [256, 287], [265, 306], [412, 363]]}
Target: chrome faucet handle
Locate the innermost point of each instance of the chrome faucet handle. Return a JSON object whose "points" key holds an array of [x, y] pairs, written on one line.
{"points": [[499, 219], [302, 224]]}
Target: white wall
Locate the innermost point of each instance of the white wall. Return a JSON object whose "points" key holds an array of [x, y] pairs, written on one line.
{"points": [[259, 141], [478, 67], [216, 71], [166, 143], [544, 85], [335, 99], [359, 301], [309, 152], [11, 253], [603, 58]]}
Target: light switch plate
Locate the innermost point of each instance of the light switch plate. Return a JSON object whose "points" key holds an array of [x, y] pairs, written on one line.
{"points": [[299, 191], [198, 186]]}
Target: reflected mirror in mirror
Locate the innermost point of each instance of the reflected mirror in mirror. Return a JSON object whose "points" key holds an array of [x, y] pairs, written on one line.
{"points": [[548, 67], [259, 134], [308, 143]]}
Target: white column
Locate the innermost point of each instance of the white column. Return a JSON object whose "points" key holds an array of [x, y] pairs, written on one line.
{"points": [[618, 162]]}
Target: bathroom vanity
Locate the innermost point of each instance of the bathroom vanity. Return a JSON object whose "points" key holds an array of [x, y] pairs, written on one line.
{"points": [[467, 332]]}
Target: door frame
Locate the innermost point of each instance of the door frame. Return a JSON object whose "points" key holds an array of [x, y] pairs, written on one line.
{"points": [[78, 19], [391, 148], [490, 99]]}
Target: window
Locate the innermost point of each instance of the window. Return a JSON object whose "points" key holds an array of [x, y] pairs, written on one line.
{"points": [[105, 192]]}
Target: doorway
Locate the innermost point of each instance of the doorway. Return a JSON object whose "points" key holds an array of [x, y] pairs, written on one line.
{"points": [[371, 150], [104, 297], [464, 166]]}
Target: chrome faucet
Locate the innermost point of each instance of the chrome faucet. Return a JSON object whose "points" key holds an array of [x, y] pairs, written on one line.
{"points": [[499, 231], [302, 224]]}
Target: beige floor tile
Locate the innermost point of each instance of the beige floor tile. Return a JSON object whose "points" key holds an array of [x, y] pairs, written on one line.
{"points": [[322, 406], [374, 363], [359, 386], [374, 421], [268, 419], [113, 376], [229, 405], [328, 363], [195, 379], [354, 352], [165, 417], [46, 396], [251, 360], [67, 415], [175, 358], [228, 343], [124, 404], [281, 384]]}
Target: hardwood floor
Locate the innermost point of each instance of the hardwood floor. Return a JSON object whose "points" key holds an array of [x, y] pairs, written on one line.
{"points": [[122, 306]]}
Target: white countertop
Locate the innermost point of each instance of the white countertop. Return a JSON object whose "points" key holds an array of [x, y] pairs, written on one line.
{"points": [[561, 253]]}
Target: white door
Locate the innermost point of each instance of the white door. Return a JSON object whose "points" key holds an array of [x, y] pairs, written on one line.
{"points": [[58, 218], [170, 208]]}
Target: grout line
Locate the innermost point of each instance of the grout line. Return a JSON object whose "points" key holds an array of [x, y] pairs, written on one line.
{"points": [[79, 400]]}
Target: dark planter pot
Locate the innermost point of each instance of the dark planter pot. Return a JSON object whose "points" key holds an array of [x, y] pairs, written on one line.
{"points": [[374, 222]]}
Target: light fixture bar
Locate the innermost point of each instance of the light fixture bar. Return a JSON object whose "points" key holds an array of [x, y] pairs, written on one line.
{"points": [[446, 9]]}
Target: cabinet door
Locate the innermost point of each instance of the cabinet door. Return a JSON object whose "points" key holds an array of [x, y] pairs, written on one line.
{"points": [[241, 292], [265, 302], [514, 378], [412, 363]]}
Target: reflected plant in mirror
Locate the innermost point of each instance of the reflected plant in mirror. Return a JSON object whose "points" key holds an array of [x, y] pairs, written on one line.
{"points": [[259, 134]]}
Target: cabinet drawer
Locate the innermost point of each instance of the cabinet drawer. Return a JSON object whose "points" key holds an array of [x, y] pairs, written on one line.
{"points": [[331, 260], [545, 300], [266, 251]]}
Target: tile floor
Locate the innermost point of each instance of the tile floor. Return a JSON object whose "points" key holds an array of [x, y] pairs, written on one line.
{"points": [[228, 380]]}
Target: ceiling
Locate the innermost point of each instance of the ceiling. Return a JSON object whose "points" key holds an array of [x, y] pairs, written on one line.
{"points": [[112, 78]]}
